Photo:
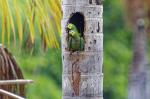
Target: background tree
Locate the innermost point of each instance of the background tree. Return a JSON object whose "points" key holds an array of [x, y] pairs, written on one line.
{"points": [[138, 71]]}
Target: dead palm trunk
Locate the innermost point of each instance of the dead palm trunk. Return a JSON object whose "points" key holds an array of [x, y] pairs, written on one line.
{"points": [[82, 70], [9, 70], [137, 76]]}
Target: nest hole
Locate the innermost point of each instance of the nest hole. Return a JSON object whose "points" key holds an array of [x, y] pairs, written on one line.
{"points": [[97, 2], [78, 20]]}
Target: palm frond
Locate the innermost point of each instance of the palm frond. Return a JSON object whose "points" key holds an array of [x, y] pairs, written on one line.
{"points": [[41, 18], [9, 70]]}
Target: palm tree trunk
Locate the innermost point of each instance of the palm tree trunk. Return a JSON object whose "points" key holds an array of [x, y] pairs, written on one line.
{"points": [[138, 76], [82, 70]]}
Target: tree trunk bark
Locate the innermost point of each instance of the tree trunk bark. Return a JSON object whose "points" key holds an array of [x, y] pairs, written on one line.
{"points": [[82, 70], [137, 80], [138, 74]]}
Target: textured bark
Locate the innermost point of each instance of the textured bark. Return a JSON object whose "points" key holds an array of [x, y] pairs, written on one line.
{"points": [[138, 76], [82, 70]]}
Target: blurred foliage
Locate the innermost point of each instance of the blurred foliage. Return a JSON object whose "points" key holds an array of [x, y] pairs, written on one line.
{"points": [[45, 67], [45, 70], [117, 50]]}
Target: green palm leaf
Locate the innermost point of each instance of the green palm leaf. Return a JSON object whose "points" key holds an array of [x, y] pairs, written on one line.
{"points": [[36, 18]]}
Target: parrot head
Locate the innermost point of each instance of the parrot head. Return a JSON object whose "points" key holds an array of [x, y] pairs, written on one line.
{"points": [[71, 26], [72, 33]]}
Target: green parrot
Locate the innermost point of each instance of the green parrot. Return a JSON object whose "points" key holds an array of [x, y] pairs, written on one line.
{"points": [[75, 41]]}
